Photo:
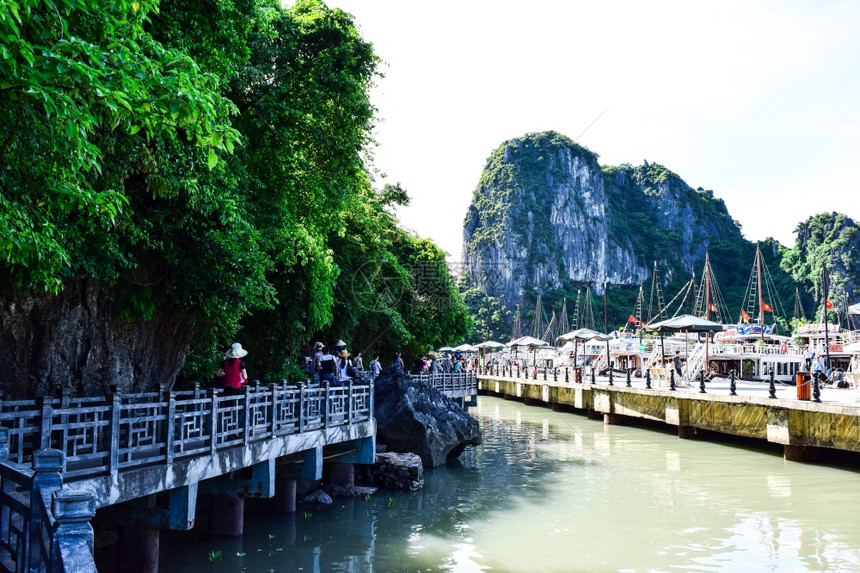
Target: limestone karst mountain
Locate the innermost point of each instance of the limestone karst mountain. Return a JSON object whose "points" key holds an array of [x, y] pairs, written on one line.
{"points": [[546, 214]]}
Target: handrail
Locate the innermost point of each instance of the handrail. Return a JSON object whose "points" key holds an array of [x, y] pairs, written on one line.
{"points": [[104, 435], [452, 384]]}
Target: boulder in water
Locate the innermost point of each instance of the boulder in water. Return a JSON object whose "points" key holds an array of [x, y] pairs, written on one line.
{"points": [[413, 417]]}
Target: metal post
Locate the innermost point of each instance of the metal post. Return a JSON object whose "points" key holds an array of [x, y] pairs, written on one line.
{"points": [[648, 379], [733, 384], [702, 381], [544, 374], [816, 390], [629, 384], [772, 390], [610, 377], [566, 374], [672, 379], [592, 375], [554, 374]]}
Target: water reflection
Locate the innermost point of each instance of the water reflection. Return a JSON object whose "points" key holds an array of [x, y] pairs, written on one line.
{"points": [[553, 491]]}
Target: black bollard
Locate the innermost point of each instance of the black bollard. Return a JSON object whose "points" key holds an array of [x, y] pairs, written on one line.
{"points": [[733, 387], [566, 374], [544, 374], [592, 375], [702, 382], [772, 390], [672, 379], [610, 377], [518, 370], [554, 374], [816, 389], [629, 384], [648, 379]]}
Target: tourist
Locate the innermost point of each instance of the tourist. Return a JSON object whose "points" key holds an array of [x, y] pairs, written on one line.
{"points": [[345, 370], [398, 360], [358, 362], [317, 355], [435, 367], [328, 366], [458, 366], [818, 369], [375, 366], [233, 370], [808, 356], [677, 361], [418, 366], [447, 364]]}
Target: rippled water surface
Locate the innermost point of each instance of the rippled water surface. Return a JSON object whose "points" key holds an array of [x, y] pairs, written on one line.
{"points": [[554, 491]]}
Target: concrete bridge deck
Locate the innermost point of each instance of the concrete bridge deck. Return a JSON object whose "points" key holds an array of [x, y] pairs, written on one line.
{"points": [[800, 426]]}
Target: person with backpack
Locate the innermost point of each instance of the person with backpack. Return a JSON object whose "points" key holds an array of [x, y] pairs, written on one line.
{"points": [[327, 366]]}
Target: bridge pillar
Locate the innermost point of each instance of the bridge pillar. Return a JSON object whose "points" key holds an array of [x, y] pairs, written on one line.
{"points": [[594, 414], [686, 432], [285, 494], [138, 549], [614, 419], [800, 453], [226, 514], [339, 473]]}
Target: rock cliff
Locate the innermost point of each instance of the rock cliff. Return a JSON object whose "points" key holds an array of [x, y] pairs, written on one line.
{"points": [[545, 214]]}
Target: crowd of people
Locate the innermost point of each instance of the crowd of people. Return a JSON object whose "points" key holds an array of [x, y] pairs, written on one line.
{"points": [[335, 365]]}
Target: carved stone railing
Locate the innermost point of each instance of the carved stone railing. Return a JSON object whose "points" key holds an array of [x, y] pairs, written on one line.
{"points": [[453, 385], [42, 526], [105, 435]]}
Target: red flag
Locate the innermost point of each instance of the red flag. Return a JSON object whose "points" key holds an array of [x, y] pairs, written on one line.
{"points": [[766, 307], [712, 307], [632, 319], [828, 304], [744, 316]]}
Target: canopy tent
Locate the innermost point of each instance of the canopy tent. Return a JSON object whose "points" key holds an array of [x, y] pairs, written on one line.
{"points": [[684, 323], [446, 349], [854, 309], [575, 336], [490, 344], [528, 342], [569, 345], [465, 348]]}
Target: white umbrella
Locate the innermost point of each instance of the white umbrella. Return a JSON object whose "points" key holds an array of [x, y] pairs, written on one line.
{"points": [[854, 308], [490, 344], [465, 348]]}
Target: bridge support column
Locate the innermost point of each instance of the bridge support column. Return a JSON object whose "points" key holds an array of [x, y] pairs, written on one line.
{"points": [[800, 453], [614, 419], [594, 414], [285, 494], [339, 473], [686, 432], [226, 515], [138, 549]]}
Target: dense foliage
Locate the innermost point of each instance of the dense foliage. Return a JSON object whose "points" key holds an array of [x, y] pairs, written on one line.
{"points": [[831, 240], [205, 160]]}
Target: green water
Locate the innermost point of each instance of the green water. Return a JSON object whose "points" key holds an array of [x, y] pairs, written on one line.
{"points": [[552, 491]]}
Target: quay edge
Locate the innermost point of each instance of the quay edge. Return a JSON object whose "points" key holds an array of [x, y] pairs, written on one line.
{"points": [[801, 427]]}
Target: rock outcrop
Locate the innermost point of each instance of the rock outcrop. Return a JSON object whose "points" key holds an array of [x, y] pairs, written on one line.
{"points": [[412, 417], [545, 214]]}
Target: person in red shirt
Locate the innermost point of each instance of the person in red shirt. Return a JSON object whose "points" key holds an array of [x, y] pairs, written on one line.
{"points": [[233, 370]]}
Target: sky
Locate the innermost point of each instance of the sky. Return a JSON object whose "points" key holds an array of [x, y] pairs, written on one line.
{"points": [[757, 101]]}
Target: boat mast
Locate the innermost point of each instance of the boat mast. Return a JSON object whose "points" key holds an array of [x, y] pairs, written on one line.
{"points": [[758, 280], [518, 329], [655, 288], [798, 305], [707, 304], [605, 295], [824, 304], [564, 321], [575, 324], [538, 320]]}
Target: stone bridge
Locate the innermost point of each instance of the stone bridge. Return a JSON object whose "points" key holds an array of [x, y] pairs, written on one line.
{"points": [[62, 459]]}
